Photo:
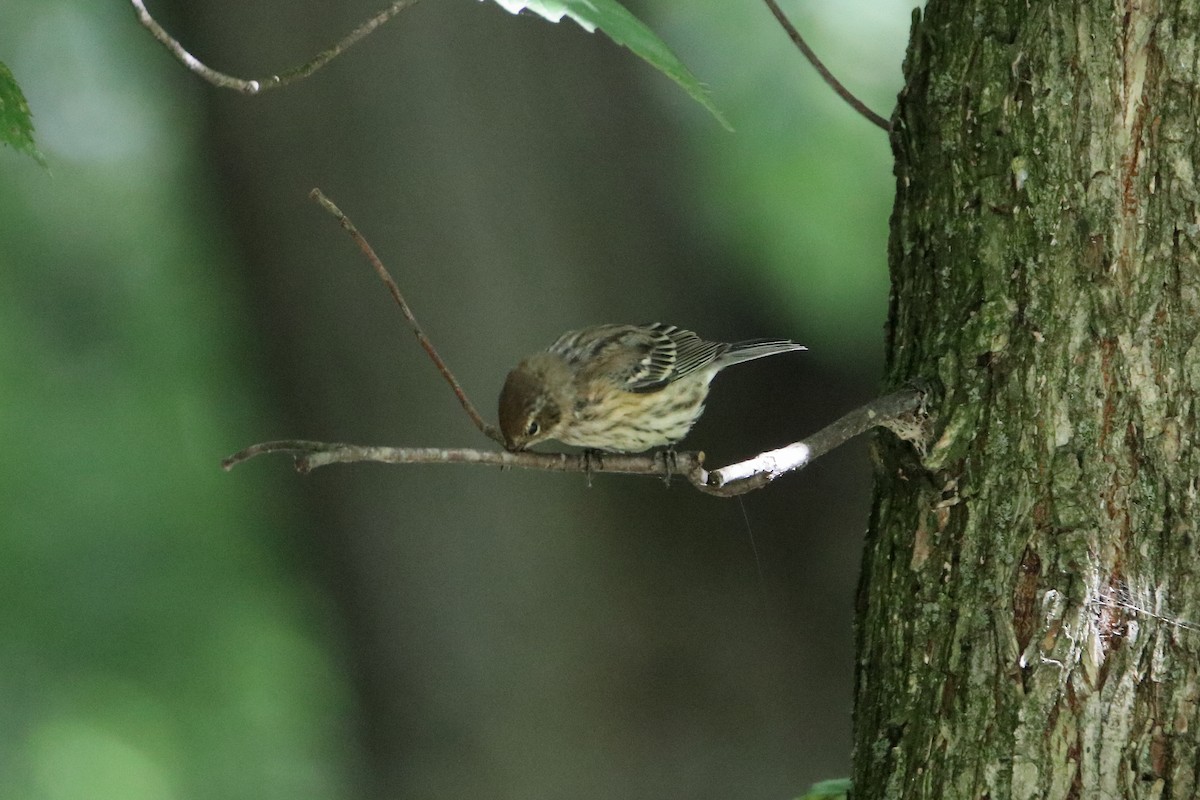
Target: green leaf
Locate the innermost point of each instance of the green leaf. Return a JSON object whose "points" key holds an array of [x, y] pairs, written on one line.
{"points": [[835, 789], [624, 29], [16, 123]]}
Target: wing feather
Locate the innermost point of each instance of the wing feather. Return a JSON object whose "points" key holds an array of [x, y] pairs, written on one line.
{"points": [[645, 358]]}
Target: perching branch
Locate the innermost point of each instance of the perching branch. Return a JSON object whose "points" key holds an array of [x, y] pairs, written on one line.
{"points": [[245, 86], [488, 429], [893, 411], [899, 411], [825, 74], [310, 455]]}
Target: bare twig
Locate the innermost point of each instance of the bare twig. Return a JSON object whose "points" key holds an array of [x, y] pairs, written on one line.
{"points": [[825, 74], [245, 86], [310, 455], [487, 428], [728, 481]]}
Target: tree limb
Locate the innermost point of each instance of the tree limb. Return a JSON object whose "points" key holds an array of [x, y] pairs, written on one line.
{"points": [[745, 476], [883, 411], [247, 86]]}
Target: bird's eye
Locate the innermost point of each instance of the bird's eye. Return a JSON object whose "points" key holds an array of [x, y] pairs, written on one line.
{"points": [[533, 428]]}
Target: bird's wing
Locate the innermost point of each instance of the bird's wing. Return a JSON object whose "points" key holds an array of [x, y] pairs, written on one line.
{"points": [[640, 358], [692, 353], [667, 353]]}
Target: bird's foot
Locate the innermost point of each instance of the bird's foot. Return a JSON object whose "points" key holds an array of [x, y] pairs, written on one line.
{"points": [[670, 463], [592, 460]]}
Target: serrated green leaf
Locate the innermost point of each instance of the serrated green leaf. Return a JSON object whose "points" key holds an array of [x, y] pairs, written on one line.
{"points": [[835, 789], [16, 123], [625, 29]]}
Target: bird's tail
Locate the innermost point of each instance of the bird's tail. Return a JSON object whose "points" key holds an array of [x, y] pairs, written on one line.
{"points": [[755, 348]]}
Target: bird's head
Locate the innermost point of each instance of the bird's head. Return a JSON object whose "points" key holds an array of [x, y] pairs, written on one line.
{"points": [[533, 400]]}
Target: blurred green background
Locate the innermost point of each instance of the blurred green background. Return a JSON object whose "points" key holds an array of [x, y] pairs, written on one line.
{"points": [[170, 295]]}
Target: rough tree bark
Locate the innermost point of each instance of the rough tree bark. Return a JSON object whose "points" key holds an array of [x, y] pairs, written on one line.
{"points": [[1031, 587]]}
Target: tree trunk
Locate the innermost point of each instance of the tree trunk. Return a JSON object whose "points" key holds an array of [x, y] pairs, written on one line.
{"points": [[1030, 594]]}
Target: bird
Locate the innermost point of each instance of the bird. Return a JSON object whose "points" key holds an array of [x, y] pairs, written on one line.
{"points": [[619, 388]]}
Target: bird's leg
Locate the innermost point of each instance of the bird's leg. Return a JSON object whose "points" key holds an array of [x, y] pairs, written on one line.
{"points": [[592, 459], [670, 463]]}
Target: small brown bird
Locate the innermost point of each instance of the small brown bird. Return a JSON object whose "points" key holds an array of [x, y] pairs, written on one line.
{"points": [[620, 388]]}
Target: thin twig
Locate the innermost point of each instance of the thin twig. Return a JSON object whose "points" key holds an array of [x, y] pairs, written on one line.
{"points": [[310, 455], [825, 74], [245, 86], [728, 481], [483, 425]]}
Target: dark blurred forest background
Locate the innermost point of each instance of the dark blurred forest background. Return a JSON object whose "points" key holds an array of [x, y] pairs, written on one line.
{"points": [[171, 295]]}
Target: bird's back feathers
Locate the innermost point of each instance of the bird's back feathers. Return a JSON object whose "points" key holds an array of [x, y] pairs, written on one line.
{"points": [[648, 357]]}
